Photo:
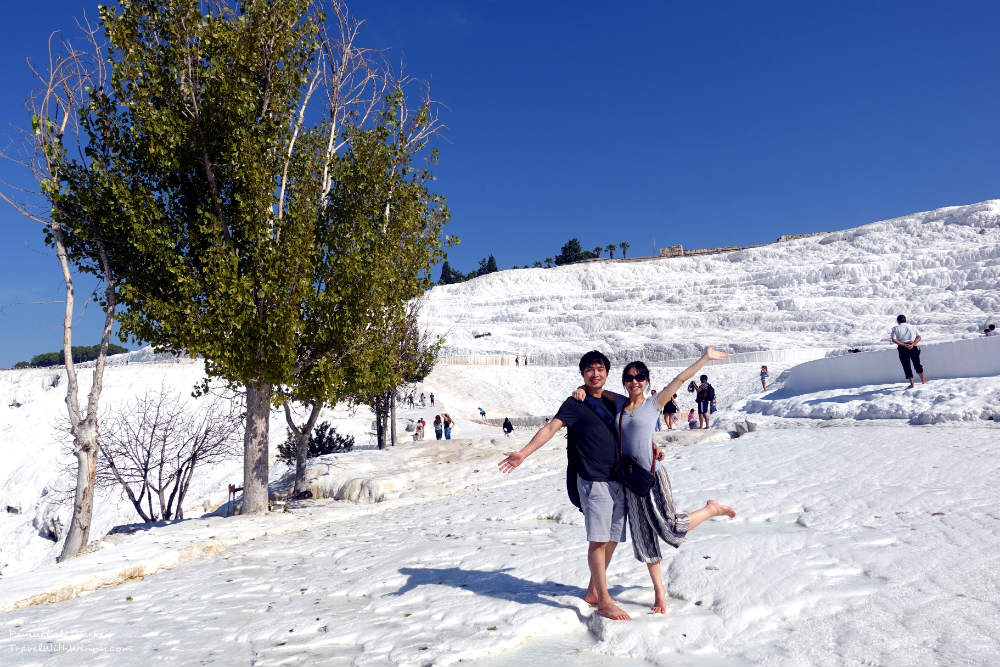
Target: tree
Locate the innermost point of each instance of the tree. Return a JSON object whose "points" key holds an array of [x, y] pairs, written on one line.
{"points": [[376, 205], [415, 355], [598, 250], [152, 446], [571, 252], [537, 264], [625, 245], [324, 440], [243, 220], [611, 250], [548, 262], [486, 265], [448, 275], [80, 354], [81, 238]]}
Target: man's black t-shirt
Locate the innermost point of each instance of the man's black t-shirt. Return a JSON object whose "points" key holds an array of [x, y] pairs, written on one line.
{"points": [[593, 440]]}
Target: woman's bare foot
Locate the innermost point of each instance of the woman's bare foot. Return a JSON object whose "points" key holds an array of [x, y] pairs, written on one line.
{"points": [[614, 612], [659, 604], [720, 510]]}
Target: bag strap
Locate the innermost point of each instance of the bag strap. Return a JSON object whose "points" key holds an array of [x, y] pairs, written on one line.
{"points": [[608, 426]]}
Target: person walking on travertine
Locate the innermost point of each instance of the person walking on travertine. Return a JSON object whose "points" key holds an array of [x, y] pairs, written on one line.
{"points": [[906, 337]]}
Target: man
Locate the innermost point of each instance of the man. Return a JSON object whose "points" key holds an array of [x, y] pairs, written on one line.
{"points": [[593, 451], [906, 338], [706, 399]]}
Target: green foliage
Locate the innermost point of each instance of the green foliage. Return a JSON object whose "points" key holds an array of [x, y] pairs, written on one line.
{"points": [[22, 364], [323, 440], [81, 353], [572, 252], [450, 276], [191, 143]]}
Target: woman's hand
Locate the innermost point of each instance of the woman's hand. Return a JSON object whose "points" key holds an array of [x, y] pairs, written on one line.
{"points": [[579, 394], [711, 354]]}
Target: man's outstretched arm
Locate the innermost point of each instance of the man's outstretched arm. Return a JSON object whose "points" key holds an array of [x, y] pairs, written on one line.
{"points": [[544, 434]]}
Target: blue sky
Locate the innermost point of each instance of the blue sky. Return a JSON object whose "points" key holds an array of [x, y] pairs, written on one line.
{"points": [[651, 122]]}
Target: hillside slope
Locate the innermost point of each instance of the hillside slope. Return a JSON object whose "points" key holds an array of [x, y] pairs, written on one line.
{"points": [[838, 290]]}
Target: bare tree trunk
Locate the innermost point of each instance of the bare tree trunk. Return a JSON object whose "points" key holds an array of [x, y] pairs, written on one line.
{"points": [[302, 445], [85, 450], [255, 443], [85, 446], [386, 398], [379, 404], [392, 418]]}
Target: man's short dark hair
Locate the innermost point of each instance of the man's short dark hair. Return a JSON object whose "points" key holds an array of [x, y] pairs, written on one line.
{"points": [[992, 327], [900, 319], [704, 378], [591, 358]]}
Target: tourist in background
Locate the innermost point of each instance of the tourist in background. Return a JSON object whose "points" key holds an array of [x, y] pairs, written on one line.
{"points": [[906, 337]]}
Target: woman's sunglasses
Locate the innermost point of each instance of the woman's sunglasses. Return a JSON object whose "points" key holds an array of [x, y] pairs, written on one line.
{"points": [[634, 378]]}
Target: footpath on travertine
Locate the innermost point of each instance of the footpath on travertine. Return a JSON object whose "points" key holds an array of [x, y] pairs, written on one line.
{"points": [[417, 473]]}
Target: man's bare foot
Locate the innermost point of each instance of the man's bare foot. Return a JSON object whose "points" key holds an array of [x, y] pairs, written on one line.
{"points": [[720, 510], [659, 605], [614, 612]]}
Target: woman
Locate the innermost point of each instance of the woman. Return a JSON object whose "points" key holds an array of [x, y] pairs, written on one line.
{"points": [[437, 427], [763, 377], [692, 420], [670, 412], [655, 515], [448, 422], [508, 428]]}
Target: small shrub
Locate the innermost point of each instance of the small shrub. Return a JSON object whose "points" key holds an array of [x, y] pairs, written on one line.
{"points": [[323, 440]]}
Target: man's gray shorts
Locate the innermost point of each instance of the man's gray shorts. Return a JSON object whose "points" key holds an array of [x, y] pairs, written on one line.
{"points": [[604, 510]]}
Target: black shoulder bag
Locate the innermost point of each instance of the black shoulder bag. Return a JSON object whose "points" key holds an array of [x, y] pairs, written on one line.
{"points": [[636, 479]]}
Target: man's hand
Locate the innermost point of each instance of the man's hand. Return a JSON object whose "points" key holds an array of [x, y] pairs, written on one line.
{"points": [[658, 453], [513, 460]]}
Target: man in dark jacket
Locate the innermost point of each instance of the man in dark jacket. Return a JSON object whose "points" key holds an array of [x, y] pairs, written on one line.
{"points": [[706, 400]]}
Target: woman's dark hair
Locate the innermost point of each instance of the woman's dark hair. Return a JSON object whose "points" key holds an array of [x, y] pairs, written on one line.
{"points": [[594, 356], [638, 367], [900, 319]]}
